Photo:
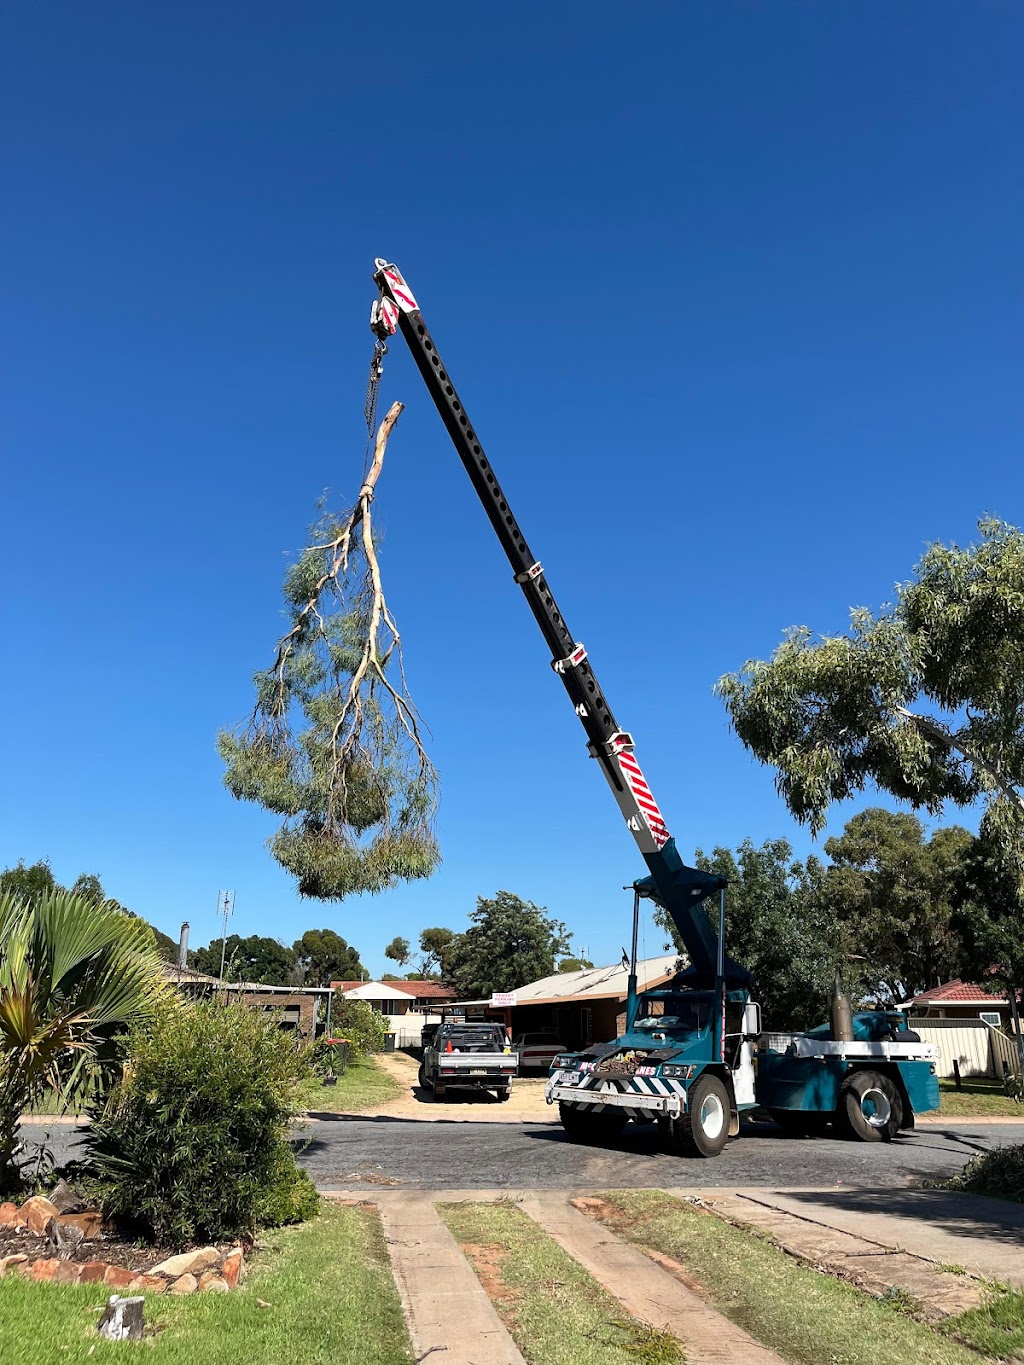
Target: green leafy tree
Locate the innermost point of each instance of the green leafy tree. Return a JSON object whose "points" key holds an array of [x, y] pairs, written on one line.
{"points": [[924, 699], [895, 893], [72, 975], [333, 742], [435, 945], [257, 959], [574, 964], [324, 956], [30, 884], [509, 943], [779, 927], [89, 887], [399, 950]]}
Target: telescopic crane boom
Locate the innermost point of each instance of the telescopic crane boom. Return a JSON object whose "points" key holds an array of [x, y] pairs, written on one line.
{"points": [[680, 889]]}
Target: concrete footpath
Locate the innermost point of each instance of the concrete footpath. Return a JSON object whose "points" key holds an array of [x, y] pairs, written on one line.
{"points": [[984, 1236]]}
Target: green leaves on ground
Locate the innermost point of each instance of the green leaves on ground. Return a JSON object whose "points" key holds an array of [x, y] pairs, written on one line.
{"points": [[333, 743]]}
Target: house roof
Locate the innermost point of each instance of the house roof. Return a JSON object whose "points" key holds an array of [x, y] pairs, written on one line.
{"points": [[433, 990], [593, 983], [370, 990], [958, 993], [186, 976]]}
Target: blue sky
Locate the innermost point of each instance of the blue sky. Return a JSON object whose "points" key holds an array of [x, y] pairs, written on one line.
{"points": [[732, 293]]}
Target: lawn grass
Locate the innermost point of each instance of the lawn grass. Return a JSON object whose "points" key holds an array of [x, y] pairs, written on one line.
{"points": [[804, 1315], [995, 1328], [327, 1292], [977, 1099], [555, 1311], [363, 1085]]}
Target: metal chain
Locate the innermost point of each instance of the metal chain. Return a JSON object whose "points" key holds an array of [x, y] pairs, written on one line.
{"points": [[370, 405]]}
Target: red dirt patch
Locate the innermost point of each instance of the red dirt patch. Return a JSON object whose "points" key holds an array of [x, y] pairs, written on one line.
{"points": [[488, 1262]]}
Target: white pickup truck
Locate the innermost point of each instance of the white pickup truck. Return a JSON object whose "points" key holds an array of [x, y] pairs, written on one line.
{"points": [[476, 1056]]}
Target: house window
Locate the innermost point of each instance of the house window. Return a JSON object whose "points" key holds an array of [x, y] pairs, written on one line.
{"points": [[391, 1006], [992, 1017]]}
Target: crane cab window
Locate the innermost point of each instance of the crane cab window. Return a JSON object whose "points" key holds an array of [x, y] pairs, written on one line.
{"points": [[688, 1012]]}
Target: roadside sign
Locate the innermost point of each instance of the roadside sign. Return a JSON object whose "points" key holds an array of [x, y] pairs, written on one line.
{"points": [[502, 999]]}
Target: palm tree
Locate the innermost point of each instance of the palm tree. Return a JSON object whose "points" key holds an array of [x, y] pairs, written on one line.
{"points": [[72, 974]]}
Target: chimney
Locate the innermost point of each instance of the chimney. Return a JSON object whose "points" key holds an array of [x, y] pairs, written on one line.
{"points": [[183, 948]]}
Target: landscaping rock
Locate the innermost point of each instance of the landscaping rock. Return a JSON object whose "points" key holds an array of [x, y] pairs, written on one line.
{"points": [[148, 1284], [185, 1284], [188, 1263], [92, 1272], [90, 1223], [64, 1238], [36, 1212], [117, 1277], [232, 1267], [210, 1280], [11, 1263], [43, 1269], [122, 1319], [8, 1215], [67, 1272]]}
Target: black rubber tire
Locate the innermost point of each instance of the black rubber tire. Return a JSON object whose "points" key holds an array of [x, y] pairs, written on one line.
{"points": [[423, 1079], [801, 1121], [869, 1108], [590, 1128], [703, 1129], [505, 1094]]}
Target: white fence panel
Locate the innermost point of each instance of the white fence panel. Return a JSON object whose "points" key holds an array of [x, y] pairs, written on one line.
{"points": [[968, 1042]]}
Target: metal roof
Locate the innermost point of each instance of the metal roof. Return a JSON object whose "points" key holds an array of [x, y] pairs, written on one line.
{"points": [[592, 983]]}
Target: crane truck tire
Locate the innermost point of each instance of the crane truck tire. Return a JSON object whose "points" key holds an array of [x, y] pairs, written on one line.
{"points": [[704, 1127], [580, 1125], [869, 1108]]}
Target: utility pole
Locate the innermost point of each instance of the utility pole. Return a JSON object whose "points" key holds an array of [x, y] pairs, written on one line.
{"points": [[225, 907]]}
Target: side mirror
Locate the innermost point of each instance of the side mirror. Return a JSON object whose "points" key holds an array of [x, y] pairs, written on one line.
{"points": [[751, 1019]]}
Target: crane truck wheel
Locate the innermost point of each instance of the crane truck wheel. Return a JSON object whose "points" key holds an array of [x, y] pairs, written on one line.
{"points": [[703, 1128], [581, 1125], [869, 1108]]}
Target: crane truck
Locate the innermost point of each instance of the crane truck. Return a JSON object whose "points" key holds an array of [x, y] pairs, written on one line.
{"points": [[693, 1057]]}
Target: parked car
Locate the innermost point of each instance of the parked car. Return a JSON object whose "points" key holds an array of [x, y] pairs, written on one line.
{"points": [[536, 1051], [475, 1056]]}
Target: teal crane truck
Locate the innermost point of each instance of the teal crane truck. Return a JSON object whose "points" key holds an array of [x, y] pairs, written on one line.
{"points": [[693, 1056]]}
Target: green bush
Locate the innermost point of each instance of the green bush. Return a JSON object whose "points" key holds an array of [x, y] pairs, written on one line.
{"points": [[999, 1174], [192, 1142], [360, 1023]]}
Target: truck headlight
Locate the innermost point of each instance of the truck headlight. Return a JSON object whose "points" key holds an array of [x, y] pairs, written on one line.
{"points": [[672, 1072]]}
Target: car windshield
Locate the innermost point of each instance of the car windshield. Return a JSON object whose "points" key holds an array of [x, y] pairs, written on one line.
{"points": [[674, 1012], [472, 1040]]}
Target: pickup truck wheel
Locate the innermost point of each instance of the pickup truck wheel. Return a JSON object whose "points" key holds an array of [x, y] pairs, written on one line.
{"points": [[583, 1125], [869, 1108], [505, 1094], [424, 1079], [702, 1130]]}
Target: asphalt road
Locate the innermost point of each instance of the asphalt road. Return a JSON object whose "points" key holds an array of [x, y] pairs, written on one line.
{"points": [[354, 1153]]}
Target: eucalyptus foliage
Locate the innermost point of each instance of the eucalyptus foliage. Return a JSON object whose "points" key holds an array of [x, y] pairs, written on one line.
{"points": [[333, 743], [923, 699]]}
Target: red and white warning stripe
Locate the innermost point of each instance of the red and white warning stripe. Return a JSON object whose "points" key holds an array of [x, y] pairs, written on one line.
{"points": [[401, 291], [637, 784]]}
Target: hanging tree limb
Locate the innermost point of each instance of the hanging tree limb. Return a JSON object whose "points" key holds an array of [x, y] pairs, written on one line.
{"points": [[334, 742]]}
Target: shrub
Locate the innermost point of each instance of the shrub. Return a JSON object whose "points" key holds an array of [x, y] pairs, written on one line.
{"points": [[360, 1023], [999, 1173], [192, 1143]]}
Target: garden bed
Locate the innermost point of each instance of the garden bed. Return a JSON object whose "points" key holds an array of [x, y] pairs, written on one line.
{"points": [[40, 1242]]}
